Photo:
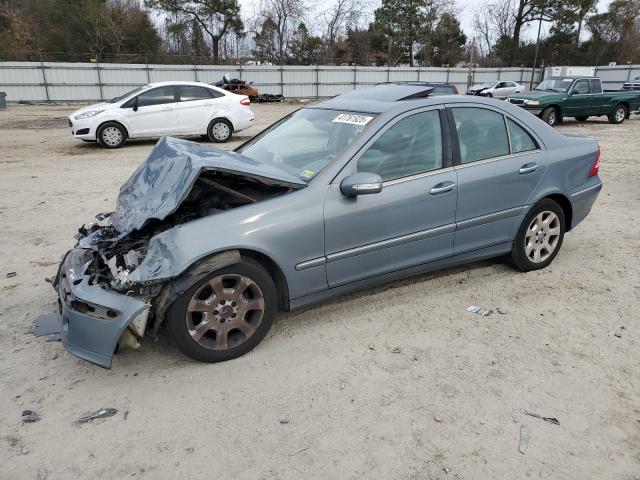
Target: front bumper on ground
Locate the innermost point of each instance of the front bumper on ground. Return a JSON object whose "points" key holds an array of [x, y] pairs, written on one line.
{"points": [[93, 319]]}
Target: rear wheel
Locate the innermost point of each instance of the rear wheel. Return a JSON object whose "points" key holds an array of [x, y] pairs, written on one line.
{"points": [[539, 238], [582, 119], [618, 114], [220, 130], [550, 116], [224, 315], [111, 135]]}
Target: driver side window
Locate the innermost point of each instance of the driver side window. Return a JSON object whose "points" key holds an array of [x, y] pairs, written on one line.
{"points": [[410, 147], [581, 87]]}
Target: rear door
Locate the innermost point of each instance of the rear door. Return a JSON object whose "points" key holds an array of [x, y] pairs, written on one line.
{"points": [[195, 104], [156, 112], [412, 220], [498, 163], [504, 89]]}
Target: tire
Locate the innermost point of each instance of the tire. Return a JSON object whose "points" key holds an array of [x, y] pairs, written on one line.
{"points": [[231, 330], [111, 135], [220, 130], [488, 95], [550, 116], [530, 240], [618, 114], [581, 119]]}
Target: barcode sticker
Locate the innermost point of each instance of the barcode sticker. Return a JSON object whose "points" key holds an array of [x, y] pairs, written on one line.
{"points": [[352, 119]]}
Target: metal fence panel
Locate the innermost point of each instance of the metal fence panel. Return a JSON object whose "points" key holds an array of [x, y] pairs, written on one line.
{"points": [[67, 81]]}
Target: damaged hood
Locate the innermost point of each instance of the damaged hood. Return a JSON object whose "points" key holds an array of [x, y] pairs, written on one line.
{"points": [[162, 182]]}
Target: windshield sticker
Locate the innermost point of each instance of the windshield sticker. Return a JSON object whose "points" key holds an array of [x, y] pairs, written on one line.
{"points": [[307, 173], [352, 119]]}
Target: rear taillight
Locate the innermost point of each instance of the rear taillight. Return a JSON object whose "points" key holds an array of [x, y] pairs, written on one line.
{"points": [[596, 165], [245, 101]]}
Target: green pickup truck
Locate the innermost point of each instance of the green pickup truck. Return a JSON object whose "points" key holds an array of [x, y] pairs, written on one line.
{"points": [[578, 97]]}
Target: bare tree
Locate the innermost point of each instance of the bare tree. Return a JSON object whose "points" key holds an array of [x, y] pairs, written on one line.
{"points": [[285, 15]]}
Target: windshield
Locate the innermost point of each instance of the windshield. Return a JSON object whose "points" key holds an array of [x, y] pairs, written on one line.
{"points": [[123, 96], [306, 141], [555, 84]]}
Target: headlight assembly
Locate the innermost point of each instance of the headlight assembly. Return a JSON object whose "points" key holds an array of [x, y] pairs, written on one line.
{"points": [[89, 114]]}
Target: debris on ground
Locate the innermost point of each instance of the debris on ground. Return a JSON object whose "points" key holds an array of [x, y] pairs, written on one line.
{"points": [[237, 86], [269, 98], [102, 413], [49, 324], [11, 274], [126, 414], [284, 420], [372, 346], [396, 350], [553, 420], [29, 416], [501, 311], [485, 312], [438, 419], [524, 439]]}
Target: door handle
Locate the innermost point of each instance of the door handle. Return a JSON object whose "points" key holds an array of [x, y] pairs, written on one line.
{"points": [[528, 168], [443, 187]]}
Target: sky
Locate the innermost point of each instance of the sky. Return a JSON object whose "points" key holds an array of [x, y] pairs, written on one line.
{"points": [[466, 9]]}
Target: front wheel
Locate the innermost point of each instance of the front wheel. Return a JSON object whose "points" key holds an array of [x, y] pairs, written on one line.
{"points": [[111, 135], [539, 238], [225, 314], [219, 130], [550, 116], [618, 115]]}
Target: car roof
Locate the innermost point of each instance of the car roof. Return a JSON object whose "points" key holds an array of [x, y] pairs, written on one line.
{"points": [[573, 77], [178, 82], [392, 96]]}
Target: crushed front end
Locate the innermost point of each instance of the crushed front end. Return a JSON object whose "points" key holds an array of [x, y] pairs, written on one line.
{"points": [[117, 281]]}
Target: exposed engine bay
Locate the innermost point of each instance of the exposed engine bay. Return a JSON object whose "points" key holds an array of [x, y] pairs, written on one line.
{"points": [[116, 256]]}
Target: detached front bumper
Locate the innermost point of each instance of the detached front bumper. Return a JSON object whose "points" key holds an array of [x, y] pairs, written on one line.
{"points": [[93, 319]]}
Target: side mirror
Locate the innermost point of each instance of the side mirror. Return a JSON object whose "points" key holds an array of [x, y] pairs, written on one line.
{"points": [[362, 183], [135, 104]]}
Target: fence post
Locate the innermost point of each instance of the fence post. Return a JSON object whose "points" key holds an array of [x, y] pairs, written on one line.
{"points": [[418, 73], [499, 72], [99, 77], [355, 76], [388, 72], [44, 79], [146, 61], [240, 72], [317, 80], [448, 73], [195, 69], [522, 73], [281, 79], [628, 71]]}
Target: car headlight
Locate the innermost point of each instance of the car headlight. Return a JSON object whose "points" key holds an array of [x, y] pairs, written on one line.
{"points": [[532, 102], [89, 114]]}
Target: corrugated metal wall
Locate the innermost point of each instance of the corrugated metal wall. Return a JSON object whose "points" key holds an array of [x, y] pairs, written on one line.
{"points": [[58, 81]]}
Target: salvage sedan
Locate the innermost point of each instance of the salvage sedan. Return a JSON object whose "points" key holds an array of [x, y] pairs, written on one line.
{"points": [[369, 187]]}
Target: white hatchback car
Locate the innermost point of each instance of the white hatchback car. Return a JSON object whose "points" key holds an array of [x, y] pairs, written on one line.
{"points": [[164, 108]]}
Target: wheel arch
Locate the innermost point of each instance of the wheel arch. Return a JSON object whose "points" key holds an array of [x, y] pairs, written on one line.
{"points": [[565, 204], [554, 105], [126, 130]]}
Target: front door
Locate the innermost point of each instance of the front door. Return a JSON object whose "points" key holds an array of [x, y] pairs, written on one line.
{"points": [[580, 102], [411, 221], [499, 164], [157, 113]]}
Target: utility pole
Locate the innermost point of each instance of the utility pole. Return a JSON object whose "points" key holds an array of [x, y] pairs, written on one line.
{"points": [[535, 56]]}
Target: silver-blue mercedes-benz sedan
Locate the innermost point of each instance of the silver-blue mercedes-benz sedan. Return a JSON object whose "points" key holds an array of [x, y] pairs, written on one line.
{"points": [[368, 187]]}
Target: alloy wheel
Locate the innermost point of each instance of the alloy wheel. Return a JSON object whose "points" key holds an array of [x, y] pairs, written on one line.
{"points": [[620, 114], [225, 312], [552, 117], [542, 236]]}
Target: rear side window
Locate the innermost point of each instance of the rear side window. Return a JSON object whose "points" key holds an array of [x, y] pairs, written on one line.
{"points": [[410, 147], [596, 86], [157, 96], [190, 93], [443, 89], [521, 141], [481, 134]]}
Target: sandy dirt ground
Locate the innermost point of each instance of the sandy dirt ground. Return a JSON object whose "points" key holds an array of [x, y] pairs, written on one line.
{"points": [[398, 382]]}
